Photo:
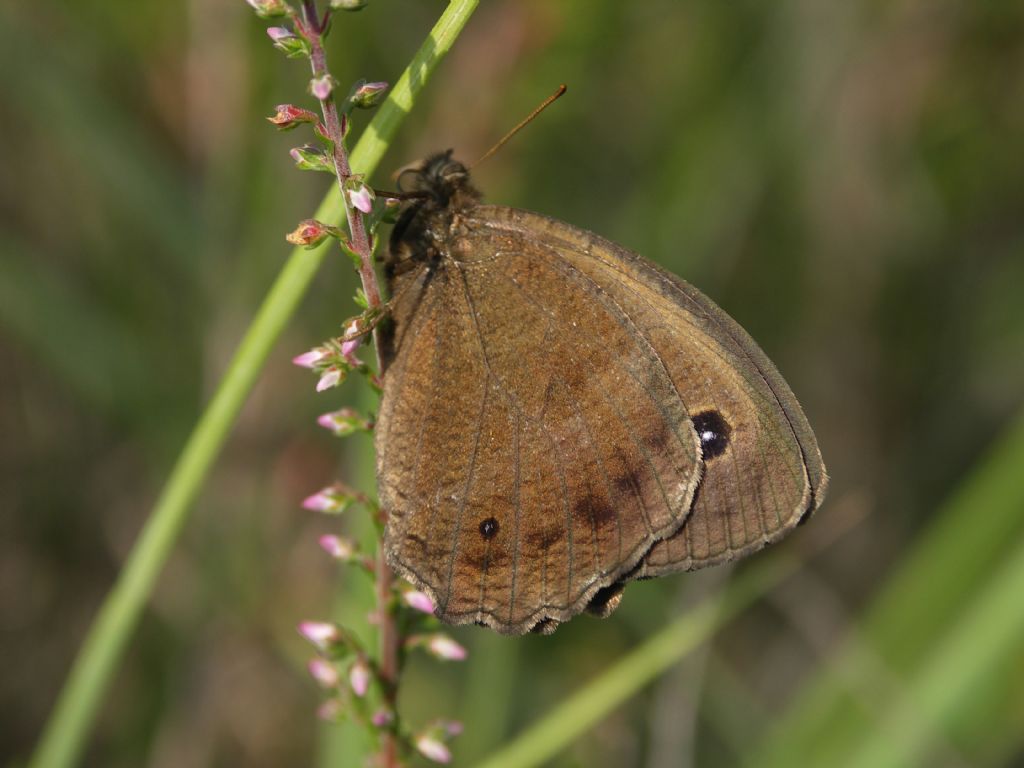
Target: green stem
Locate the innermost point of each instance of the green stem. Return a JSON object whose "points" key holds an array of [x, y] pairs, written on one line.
{"points": [[916, 674], [65, 732], [984, 641]]}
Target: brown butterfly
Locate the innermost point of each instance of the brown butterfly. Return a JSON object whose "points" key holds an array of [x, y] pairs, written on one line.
{"points": [[561, 416]]}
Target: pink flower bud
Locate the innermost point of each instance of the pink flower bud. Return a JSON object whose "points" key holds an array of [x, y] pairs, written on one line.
{"points": [[443, 647], [324, 672], [418, 601], [361, 198], [359, 677], [320, 633], [321, 501], [338, 547], [368, 95], [331, 710], [267, 9], [382, 718], [321, 87], [310, 158], [344, 422], [348, 348], [309, 233], [330, 378], [348, 5], [285, 40], [333, 499], [311, 358], [289, 116], [433, 748], [452, 728]]}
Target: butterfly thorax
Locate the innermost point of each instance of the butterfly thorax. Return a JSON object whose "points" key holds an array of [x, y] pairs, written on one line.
{"points": [[443, 192]]}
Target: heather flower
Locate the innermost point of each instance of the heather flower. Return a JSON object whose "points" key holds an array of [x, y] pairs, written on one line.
{"points": [[331, 377], [309, 233], [444, 647], [321, 87], [359, 675], [343, 422], [311, 358], [349, 347], [382, 717], [368, 95], [348, 5], [324, 672], [289, 116], [331, 710], [433, 748], [333, 499], [338, 547], [361, 197], [418, 601], [268, 9], [320, 633]]}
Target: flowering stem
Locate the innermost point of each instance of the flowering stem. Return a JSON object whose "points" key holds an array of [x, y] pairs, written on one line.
{"points": [[312, 28], [387, 665], [62, 740], [387, 628]]}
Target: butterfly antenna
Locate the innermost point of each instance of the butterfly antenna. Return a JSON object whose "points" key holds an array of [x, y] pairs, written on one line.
{"points": [[526, 121]]}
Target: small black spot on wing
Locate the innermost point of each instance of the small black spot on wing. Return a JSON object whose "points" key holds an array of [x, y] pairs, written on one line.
{"points": [[489, 528]]}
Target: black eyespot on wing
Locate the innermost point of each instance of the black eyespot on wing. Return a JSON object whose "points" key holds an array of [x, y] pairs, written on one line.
{"points": [[714, 432], [489, 528]]}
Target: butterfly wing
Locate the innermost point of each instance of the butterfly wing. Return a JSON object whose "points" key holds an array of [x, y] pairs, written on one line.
{"points": [[531, 443], [763, 472]]}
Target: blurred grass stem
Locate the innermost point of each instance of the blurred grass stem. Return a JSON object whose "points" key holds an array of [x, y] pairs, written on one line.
{"points": [[64, 735]]}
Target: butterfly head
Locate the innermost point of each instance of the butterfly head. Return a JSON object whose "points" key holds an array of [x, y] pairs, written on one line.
{"points": [[443, 180], [438, 192]]}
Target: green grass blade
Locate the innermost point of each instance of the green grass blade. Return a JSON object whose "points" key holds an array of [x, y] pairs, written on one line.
{"points": [[989, 637], [594, 701], [971, 545], [65, 733]]}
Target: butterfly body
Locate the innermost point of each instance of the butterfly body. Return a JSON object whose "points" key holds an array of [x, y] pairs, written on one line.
{"points": [[560, 416]]}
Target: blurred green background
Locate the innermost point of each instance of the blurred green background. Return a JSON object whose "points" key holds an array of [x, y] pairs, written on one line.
{"points": [[846, 178]]}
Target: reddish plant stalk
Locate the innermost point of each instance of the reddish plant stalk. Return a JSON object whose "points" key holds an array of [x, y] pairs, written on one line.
{"points": [[312, 29]]}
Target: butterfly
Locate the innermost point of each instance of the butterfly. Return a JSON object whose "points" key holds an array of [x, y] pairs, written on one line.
{"points": [[561, 416]]}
